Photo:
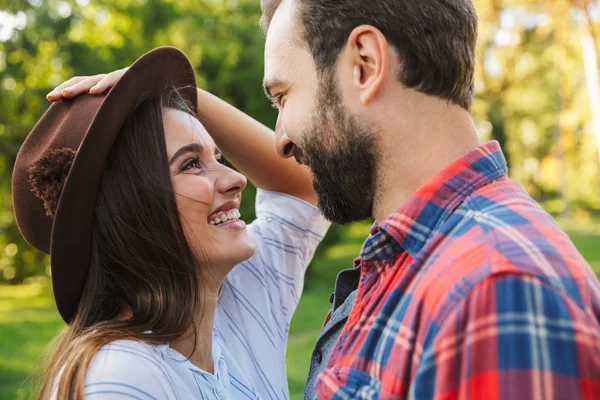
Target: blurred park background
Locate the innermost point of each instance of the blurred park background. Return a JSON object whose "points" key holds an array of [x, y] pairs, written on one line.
{"points": [[537, 93]]}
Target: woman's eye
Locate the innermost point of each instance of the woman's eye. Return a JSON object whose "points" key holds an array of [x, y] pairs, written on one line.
{"points": [[191, 163]]}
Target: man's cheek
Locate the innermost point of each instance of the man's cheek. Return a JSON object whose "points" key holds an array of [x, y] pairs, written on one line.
{"points": [[296, 124]]}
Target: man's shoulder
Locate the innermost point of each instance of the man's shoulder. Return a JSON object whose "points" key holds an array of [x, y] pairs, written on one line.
{"points": [[502, 203], [500, 227], [500, 230]]}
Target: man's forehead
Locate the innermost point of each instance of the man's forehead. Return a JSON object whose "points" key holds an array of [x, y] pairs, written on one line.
{"points": [[276, 54], [275, 62], [281, 33], [281, 42]]}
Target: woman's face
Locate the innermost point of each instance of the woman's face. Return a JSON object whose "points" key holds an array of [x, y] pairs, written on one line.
{"points": [[208, 195]]}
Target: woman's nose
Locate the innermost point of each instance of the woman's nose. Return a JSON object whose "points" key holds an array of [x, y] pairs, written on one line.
{"points": [[233, 182]]}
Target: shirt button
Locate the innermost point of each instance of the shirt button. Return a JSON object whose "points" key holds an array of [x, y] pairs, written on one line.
{"points": [[222, 394], [318, 357]]}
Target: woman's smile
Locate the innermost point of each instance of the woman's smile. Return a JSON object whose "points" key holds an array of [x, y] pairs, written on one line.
{"points": [[227, 216]]}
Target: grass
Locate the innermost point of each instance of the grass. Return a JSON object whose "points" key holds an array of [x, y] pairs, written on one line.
{"points": [[28, 320]]}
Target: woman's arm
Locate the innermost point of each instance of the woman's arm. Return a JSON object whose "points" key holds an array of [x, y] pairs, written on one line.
{"points": [[249, 146], [245, 142]]}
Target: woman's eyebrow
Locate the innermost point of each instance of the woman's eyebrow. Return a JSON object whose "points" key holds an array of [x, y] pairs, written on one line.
{"points": [[190, 148]]}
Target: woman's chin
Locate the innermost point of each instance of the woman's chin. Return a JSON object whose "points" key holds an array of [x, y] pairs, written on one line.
{"points": [[250, 249], [238, 250]]}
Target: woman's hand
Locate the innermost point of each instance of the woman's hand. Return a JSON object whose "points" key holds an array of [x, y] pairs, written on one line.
{"points": [[86, 84]]}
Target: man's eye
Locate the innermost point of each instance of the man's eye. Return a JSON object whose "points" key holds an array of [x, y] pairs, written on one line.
{"points": [[221, 159], [191, 163], [276, 102]]}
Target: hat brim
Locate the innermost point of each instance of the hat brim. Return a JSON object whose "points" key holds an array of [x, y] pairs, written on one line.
{"points": [[71, 238]]}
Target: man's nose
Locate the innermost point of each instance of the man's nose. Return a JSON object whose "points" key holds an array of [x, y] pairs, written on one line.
{"points": [[284, 147]]}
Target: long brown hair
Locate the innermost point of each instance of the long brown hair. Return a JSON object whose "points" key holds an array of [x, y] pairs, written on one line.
{"points": [[140, 257]]}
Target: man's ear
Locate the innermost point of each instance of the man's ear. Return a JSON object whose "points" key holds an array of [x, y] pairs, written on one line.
{"points": [[369, 51]]}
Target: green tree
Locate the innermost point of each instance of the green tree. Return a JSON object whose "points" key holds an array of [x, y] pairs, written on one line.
{"points": [[55, 40]]}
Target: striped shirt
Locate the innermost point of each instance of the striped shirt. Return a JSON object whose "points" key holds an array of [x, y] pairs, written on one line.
{"points": [[469, 291], [251, 327]]}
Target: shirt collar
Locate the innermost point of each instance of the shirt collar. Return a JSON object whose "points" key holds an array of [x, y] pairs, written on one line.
{"points": [[413, 224]]}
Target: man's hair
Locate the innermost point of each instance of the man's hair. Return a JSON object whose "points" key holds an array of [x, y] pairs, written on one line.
{"points": [[435, 39]]}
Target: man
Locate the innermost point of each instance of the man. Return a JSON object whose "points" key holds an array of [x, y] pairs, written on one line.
{"points": [[466, 288]]}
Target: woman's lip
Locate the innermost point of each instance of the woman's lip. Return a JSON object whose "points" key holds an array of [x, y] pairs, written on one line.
{"points": [[227, 206], [235, 225]]}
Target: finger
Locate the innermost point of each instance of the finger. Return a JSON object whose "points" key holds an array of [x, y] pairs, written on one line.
{"points": [[108, 81], [55, 93], [83, 86]]}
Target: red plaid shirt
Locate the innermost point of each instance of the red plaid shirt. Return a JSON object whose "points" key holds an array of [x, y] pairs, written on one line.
{"points": [[469, 291]]}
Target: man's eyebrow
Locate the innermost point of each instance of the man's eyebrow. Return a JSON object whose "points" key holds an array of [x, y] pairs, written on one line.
{"points": [[190, 148]]}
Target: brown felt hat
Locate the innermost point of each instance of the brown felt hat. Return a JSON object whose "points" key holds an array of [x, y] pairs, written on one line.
{"points": [[78, 134]]}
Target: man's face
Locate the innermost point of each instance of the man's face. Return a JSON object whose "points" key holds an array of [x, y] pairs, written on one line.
{"points": [[316, 126]]}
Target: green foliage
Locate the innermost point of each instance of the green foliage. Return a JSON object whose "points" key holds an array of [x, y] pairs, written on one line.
{"points": [[62, 39], [532, 94]]}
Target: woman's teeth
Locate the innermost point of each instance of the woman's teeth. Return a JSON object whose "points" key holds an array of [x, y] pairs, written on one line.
{"points": [[231, 215]]}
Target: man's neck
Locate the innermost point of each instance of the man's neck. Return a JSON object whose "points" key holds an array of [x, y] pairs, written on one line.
{"points": [[416, 145]]}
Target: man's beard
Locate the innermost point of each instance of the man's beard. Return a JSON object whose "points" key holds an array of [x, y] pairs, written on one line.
{"points": [[342, 154]]}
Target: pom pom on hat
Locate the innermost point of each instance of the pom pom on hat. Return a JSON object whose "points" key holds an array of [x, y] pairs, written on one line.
{"points": [[48, 175]]}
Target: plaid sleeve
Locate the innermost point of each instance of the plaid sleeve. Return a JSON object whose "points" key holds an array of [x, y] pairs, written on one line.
{"points": [[513, 337]]}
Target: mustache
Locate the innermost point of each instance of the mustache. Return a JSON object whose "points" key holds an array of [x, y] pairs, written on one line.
{"points": [[298, 154]]}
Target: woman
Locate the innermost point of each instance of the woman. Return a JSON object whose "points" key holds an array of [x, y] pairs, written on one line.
{"points": [[166, 292]]}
